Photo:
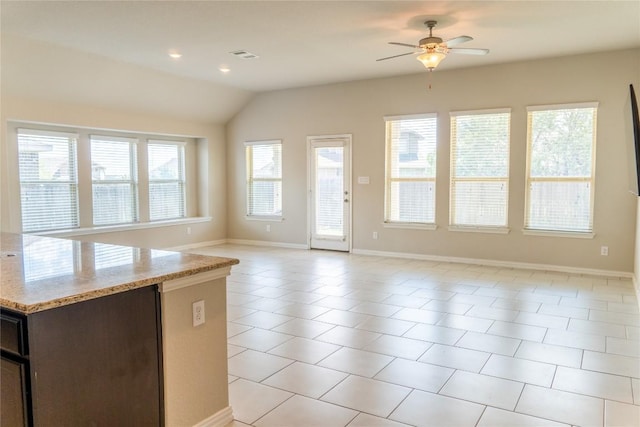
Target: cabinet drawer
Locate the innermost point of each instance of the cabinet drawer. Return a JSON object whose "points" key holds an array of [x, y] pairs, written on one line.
{"points": [[13, 337]]}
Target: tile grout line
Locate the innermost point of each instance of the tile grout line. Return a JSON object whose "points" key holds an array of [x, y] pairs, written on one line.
{"points": [[461, 291]]}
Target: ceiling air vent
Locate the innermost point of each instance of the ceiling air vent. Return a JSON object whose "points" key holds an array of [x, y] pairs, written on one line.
{"points": [[244, 54]]}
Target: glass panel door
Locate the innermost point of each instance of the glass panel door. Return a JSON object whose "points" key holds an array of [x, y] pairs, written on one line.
{"points": [[330, 194]]}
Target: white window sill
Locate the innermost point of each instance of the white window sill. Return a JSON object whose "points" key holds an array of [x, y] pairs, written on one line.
{"points": [[410, 225], [123, 227], [469, 229], [551, 233], [264, 218]]}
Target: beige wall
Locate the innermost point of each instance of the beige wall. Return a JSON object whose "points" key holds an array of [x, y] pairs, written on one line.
{"points": [[358, 108], [208, 185], [45, 83], [39, 70], [194, 358]]}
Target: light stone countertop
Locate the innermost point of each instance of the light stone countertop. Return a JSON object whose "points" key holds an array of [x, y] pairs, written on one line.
{"points": [[40, 273]]}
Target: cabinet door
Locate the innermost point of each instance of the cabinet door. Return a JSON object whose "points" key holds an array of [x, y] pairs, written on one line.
{"points": [[97, 362], [14, 394]]}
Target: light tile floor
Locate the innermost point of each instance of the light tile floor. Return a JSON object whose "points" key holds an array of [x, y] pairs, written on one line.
{"points": [[330, 339]]}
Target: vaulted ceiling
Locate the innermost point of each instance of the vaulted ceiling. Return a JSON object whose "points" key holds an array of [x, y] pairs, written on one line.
{"points": [[298, 43]]}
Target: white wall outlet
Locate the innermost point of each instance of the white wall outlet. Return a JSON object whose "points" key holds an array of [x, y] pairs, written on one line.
{"points": [[198, 313], [268, 228], [375, 235], [188, 230], [604, 250]]}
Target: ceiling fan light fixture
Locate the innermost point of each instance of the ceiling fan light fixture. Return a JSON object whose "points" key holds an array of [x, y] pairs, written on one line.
{"points": [[431, 59], [434, 49]]}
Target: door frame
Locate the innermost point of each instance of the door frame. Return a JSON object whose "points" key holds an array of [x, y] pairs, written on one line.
{"points": [[347, 139]]}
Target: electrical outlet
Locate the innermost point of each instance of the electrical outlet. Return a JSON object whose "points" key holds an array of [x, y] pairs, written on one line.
{"points": [[198, 313], [604, 250], [375, 235], [188, 230], [268, 228]]}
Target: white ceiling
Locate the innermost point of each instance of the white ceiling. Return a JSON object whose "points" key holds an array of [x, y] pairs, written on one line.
{"points": [[303, 43]]}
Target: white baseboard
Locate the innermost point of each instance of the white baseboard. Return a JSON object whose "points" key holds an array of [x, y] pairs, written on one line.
{"points": [[237, 242], [437, 258], [219, 419], [196, 245], [266, 243], [636, 287], [496, 263]]}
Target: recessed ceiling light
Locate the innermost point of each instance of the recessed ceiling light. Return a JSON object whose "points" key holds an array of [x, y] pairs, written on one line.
{"points": [[224, 69], [175, 54]]}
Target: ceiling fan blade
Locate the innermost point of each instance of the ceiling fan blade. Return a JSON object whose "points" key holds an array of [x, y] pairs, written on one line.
{"points": [[395, 56], [469, 51], [405, 44], [458, 40]]}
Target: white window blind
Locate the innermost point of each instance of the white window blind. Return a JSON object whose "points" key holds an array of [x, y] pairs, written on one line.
{"points": [[166, 180], [48, 180], [114, 178], [479, 168], [264, 178], [561, 157], [410, 169]]}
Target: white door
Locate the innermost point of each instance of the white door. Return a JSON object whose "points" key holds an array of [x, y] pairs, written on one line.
{"points": [[330, 192]]}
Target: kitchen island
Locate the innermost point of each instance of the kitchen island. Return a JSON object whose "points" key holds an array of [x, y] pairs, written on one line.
{"points": [[97, 334]]}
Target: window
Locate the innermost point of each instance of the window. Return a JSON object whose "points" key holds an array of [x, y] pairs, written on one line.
{"points": [[166, 180], [560, 167], [48, 180], [479, 168], [72, 181], [113, 172], [411, 169], [264, 178]]}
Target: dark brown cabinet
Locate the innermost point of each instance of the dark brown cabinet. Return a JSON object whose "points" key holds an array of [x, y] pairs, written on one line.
{"points": [[15, 409], [15, 402], [92, 363]]}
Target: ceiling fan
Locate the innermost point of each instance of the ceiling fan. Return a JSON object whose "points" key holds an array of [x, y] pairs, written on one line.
{"points": [[433, 49]]}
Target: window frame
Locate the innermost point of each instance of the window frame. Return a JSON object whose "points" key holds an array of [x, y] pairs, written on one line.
{"points": [[390, 179], [181, 180], [250, 179], [72, 154], [559, 232], [132, 182], [196, 212], [453, 178]]}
